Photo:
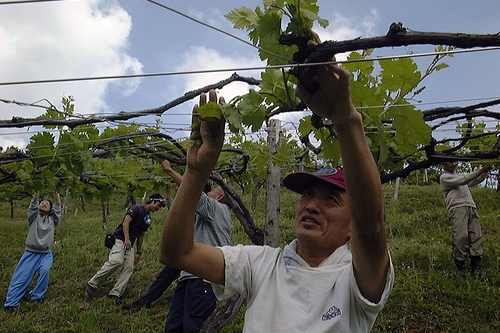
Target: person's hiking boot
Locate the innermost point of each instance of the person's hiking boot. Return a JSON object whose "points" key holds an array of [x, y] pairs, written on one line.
{"points": [[37, 301], [134, 305], [117, 299], [475, 265], [460, 265], [89, 290], [9, 309], [26, 297]]}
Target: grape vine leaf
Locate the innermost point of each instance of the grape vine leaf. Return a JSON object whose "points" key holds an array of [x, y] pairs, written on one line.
{"points": [[252, 109], [411, 129]]}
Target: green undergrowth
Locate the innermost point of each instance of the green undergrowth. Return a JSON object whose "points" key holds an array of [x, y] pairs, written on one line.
{"points": [[428, 295]]}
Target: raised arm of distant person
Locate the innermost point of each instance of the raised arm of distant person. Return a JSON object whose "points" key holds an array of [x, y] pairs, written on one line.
{"points": [[33, 207], [172, 173]]}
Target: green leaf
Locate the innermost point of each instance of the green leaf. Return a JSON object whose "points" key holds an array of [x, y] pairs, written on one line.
{"points": [[410, 127], [210, 110], [242, 18], [399, 74], [120, 130], [363, 67], [42, 139], [286, 150], [269, 31], [233, 117], [304, 14], [272, 86], [76, 141], [274, 3], [88, 131], [252, 110], [441, 66], [330, 147], [305, 126], [381, 142], [367, 98]]}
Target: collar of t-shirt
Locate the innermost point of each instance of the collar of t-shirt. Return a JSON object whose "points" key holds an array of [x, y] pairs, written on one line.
{"points": [[292, 258]]}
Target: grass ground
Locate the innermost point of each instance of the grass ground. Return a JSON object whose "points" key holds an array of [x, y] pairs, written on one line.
{"points": [[429, 296]]}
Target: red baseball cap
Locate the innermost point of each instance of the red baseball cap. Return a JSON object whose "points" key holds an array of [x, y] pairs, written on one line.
{"points": [[297, 181]]}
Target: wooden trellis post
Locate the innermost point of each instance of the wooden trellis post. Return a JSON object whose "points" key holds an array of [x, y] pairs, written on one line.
{"points": [[271, 233]]}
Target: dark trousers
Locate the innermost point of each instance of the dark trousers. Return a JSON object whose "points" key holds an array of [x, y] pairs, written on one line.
{"points": [[193, 302], [162, 282]]}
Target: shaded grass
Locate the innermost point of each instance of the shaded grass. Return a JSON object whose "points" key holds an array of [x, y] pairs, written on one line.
{"points": [[428, 296]]}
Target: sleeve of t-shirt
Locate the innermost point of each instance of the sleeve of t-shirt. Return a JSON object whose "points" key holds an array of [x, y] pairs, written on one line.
{"points": [[56, 211], [452, 180], [365, 304], [33, 209], [132, 211], [206, 207], [244, 264], [170, 202]]}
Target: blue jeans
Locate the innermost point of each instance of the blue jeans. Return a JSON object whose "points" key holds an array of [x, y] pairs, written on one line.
{"points": [[162, 282], [193, 302], [29, 264]]}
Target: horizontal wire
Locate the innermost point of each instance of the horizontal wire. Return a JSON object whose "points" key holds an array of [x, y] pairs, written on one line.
{"points": [[262, 132], [26, 1], [241, 69], [186, 125], [430, 103], [221, 31]]}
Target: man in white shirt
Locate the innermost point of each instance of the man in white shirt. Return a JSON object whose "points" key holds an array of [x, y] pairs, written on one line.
{"points": [[314, 284]]}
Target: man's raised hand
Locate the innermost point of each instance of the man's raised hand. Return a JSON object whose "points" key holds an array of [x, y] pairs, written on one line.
{"points": [[203, 155]]}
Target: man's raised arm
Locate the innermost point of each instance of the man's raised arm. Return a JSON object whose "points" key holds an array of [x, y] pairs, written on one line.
{"points": [[332, 100]]}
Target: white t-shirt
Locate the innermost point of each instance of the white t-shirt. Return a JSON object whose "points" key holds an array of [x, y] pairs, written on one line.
{"points": [[285, 294]]}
